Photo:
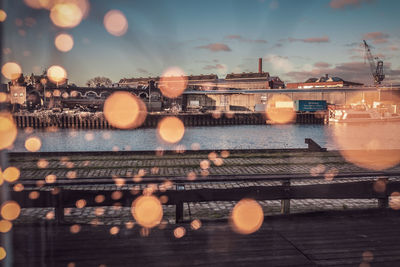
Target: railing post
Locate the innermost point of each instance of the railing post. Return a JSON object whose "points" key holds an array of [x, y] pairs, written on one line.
{"points": [[59, 210], [383, 202], [285, 203], [179, 205]]}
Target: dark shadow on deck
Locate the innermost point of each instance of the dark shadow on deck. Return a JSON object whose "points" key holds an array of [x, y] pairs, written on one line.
{"points": [[334, 238]]}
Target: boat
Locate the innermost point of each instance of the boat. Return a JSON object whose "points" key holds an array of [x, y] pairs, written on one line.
{"points": [[361, 113]]}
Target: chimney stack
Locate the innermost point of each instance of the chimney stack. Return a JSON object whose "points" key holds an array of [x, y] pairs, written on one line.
{"points": [[260, 65]]}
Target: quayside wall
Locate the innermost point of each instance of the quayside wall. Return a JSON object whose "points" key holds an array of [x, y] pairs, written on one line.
{"points": [[97, 121]]}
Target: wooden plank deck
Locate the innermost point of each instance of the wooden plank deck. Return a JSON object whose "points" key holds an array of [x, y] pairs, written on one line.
{"points": [[317, 239]]}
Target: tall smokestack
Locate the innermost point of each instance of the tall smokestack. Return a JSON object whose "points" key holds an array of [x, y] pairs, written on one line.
{"points": [[260, 65]]}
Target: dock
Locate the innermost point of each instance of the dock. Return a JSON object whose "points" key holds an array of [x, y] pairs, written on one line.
{"points": [[98, 121]]}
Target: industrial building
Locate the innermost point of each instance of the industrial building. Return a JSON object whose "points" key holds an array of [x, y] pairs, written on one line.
{"points": [[323, 82], [245, 81]]}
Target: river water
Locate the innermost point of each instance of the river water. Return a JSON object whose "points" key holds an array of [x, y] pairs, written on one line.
{"points": [[210, 138]]}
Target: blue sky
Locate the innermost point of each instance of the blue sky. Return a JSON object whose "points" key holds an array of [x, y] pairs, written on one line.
{"points": [[297, 39]]}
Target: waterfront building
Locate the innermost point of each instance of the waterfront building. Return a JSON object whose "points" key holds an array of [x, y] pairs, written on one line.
{"points": [[323, 82]]}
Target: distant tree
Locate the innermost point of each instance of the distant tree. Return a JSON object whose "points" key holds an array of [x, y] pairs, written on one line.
{"points": [[99, 82]]}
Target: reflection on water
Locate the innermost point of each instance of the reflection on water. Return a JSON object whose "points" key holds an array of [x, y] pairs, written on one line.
{"points": [[219, 137]]}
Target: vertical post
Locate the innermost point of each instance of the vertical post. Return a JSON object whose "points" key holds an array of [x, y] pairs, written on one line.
{"points": [[383, 202], [285, 203], [179, 205], [60, 207]]}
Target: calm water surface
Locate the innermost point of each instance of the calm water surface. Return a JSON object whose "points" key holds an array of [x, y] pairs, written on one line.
{"points": [[219, 137]]}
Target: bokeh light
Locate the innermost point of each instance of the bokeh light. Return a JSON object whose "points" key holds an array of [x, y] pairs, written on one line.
{"points": [[5, 226], [247, 216], [279, 109], [57, 74], [3, 253], [394, 201], [74, 229], [71, 174], [18, 187], [3, 15], [115, 22], [147, 211], [124, 110], [11, 174], [81, 203], [204, 164], [11, 70], [179, 232], [173, 82], [51, 178], [33, 144], [3, 97], [42, 163], [171, 129], [50, 215], [34, 195], [195, 224], [10, 210], [370, 145], [66, 15], [114, 230], [64, 42]]}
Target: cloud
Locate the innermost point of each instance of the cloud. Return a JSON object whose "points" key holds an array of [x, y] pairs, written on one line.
{"points": [[274, 4], [376, 37], [245, 40], [355, 71], [143, 71], [279, 63], [324, 39], [214, 67], [393, 48], [342, 4], [322, 65], [216, 47]]}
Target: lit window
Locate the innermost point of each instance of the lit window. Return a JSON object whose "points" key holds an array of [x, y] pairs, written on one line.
{"points": [[15, 94], [21, 94]]}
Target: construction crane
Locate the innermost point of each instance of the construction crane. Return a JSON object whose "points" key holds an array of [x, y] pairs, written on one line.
{"points": [[376, 70]]}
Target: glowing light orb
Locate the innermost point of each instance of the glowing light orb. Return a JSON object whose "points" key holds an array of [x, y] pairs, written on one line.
{"points": [[195, 224], [66, 15], [64, 42], [3, 15], [10, 210], [74, 229], [57, 74], [171, 129], [11, 70], [33, 144], [374, 146], [114, 230], [80, 204], [8, 130], [51, 178], [5, 226], [279, 109], [247, 217], [34, 195], [124, 110], [173, 82], [11, 174], [179, 232], [115, 22], [147, 211], [3, 253]]}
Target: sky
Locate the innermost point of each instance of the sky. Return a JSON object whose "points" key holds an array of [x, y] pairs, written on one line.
{"points": [[296, 39]]}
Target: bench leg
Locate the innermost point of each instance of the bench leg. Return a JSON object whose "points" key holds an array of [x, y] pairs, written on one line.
{"points": [[285, 203], [179, 212]]}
